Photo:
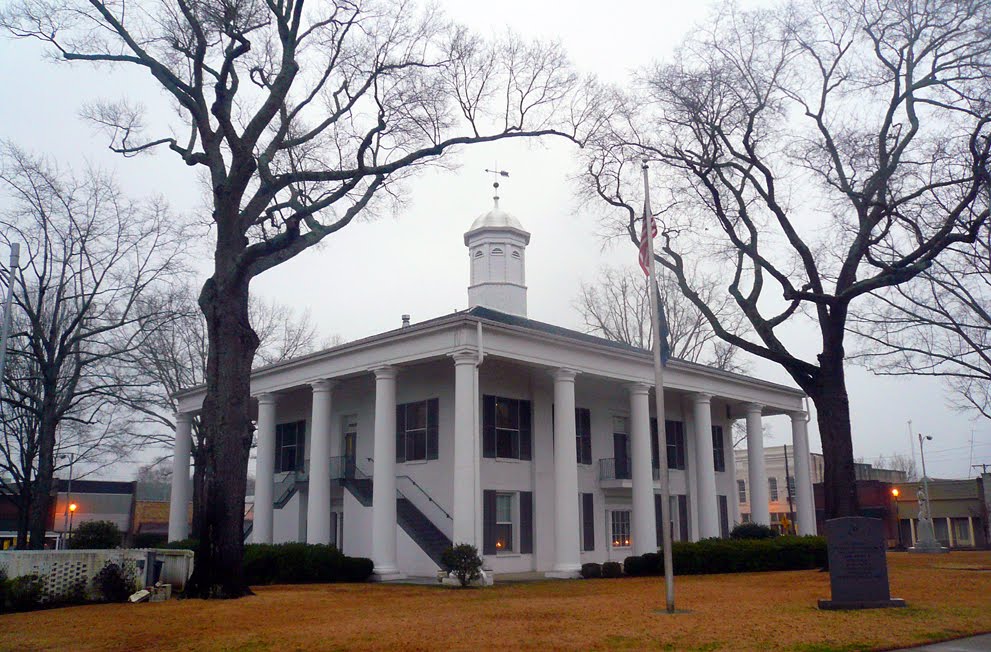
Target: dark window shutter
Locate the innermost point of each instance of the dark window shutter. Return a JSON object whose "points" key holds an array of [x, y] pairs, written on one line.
{"points": [[655, 457], [433, 410], [683, 516], [588, 522], [659, 519], [583, 430], [526, 439], [400, 433], [621, 461], [488, 431], [488, 522], [526, 522], [723, 517], [333, 531], [718, 450]]}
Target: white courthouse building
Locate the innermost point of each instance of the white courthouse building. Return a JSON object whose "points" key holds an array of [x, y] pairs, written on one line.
{"points": [[533, 442]]}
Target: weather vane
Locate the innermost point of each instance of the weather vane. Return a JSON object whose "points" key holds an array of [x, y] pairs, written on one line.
{"points": [[496, 173]]}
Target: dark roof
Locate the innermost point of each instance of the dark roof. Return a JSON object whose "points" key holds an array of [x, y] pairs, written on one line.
{"points": [[97, 486]]}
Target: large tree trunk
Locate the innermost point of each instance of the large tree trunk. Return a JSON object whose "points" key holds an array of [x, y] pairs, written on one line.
{"points": [[41, 492], [227, 432], [199, 476], [833, 408]]}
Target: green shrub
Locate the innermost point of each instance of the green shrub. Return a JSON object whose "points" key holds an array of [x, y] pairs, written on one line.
{"points": [[752, 531], [591, 571], [463, 561], [25, 593], [612, 569], [297, 563], [96, 535], [114, 583], [734, 556]]}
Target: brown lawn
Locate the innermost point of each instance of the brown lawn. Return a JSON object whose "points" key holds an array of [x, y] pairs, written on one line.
{"points": [[948, 596]]}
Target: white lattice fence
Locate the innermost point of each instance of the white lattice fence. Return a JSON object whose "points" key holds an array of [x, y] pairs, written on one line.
{"points": [[63, 570]]}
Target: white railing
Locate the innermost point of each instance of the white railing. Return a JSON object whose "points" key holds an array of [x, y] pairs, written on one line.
{"points": [[63, 570]]}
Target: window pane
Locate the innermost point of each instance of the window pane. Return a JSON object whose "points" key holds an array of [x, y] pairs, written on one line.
{"points": [[507, 444], [416, 445], [504, 508], [741, 488], [507, 413], [416, 415], [772, 485], [504, 537], [620, 528]]}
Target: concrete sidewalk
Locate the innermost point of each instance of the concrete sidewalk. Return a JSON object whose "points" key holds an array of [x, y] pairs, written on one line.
{"points": [[980, 643]]}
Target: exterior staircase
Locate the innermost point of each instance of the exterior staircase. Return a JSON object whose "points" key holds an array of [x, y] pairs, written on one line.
{"points": [[413, 522]]}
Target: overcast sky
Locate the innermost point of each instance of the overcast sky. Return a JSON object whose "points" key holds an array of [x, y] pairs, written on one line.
{"points": [[361, 280]]}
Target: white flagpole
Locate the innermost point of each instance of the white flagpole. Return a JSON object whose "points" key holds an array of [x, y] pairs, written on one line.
{"points": [[662, 447]]}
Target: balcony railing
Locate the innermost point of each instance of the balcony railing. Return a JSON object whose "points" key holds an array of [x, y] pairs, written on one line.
{"points": [[622, 469]]}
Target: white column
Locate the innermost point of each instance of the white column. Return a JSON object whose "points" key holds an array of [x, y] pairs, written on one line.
{"points": [[384, 475], [179, 501], [705, 467], [465, 402], [805, 503], [261, 531], [568, 559], [318, 500], [644, 524], [760, 511]]}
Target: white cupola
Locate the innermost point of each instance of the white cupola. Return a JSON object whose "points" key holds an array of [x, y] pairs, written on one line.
{"points": [[496, 245]]}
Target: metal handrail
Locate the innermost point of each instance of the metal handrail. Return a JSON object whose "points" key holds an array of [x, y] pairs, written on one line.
{"points": [[609, 471], [421, 489]]}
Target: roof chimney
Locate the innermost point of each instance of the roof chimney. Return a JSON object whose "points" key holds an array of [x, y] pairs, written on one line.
{"points": [[405, 321]]}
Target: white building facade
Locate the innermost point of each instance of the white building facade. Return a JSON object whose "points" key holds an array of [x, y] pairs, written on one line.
{"points": [[532, 442]]}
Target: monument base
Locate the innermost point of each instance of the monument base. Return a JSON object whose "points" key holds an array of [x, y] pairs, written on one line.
{"points": [[835, 605], [937, 549]]}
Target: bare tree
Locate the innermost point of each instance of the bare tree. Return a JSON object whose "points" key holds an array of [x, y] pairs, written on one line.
{"points": [[937, 325], [616, 306], [174, 357], [91, 257], [815, 152], [898, 462], [300, 116]]}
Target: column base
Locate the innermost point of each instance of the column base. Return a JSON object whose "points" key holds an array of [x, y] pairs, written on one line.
{"points": [[392, 576], [565, 572]]}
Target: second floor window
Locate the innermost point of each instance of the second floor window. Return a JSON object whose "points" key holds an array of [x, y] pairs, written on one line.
{"points": [[506, 431], [583, 435], [741, 490], [417, 431], [290, 440], [718, 449], [772, 488]]}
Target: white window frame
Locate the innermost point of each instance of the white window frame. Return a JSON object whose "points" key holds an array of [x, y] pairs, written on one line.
{"points": [[513, 522], [772, 490], [741, 491], [623, 541]]}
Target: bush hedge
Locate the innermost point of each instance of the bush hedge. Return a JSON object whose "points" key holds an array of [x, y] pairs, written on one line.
{"points": [[612, 569], [753, 531], [591, 570], [734, 556], [96, 535], [299, 563]]}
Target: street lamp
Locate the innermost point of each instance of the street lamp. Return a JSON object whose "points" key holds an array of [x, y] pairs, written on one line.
{"points": [[895, 492], [72, 512]]}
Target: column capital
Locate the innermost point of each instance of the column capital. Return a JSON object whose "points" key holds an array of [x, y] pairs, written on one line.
{"points": [[267, 398], [563, 375], [754, 408], [464, 356], [185, 418], [385, 372], [700, 397], [323, 385], [638, 389], [800, 415]]}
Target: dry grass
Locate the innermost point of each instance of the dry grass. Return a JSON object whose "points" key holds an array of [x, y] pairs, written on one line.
{"points": [[948, 596]]}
